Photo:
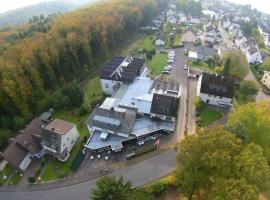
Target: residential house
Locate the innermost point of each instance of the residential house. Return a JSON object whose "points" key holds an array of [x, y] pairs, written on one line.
{"points": [[25, 147], [215, 90], [227, 24], [205, 53], [210, 34], [195, 19], [239, 41], [251, 50], [182, 18], [120, 70], [264, 32], [59, 137], [234, 29], [159, 42], [266, 79]]}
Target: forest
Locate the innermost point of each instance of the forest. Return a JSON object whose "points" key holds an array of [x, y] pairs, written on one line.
{"points": [[48, 53]]}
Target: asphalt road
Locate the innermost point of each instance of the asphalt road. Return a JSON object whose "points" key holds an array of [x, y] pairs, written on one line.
{"points": [[140, 174]]}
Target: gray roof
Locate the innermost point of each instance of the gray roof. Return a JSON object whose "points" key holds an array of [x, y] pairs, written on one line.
{"points": [[206, 51], [165, 85], [112, 120]]}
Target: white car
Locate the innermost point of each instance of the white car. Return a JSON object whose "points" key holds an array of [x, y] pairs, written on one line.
{"points": [[167, 69], [166, 72], [185, 67], [170, 61]]}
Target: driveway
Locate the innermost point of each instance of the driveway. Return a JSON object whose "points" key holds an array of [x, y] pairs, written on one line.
{"points": [[140, 174], [261, 95], [226, 38], [180, 74]]}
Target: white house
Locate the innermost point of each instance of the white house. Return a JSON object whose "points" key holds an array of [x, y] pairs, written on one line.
{"points": [[121, 70], [182, 18], [193, 56], [215, 90], [239, 41], [227, 24], [59, 137], [251, 50], [265, 35], [159, 42], [266, 79], [254, 56], [195, 20]]}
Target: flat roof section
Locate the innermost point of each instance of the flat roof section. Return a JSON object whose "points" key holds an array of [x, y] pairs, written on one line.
{"points": [[146, 125], [107, 120], [112, 141]]}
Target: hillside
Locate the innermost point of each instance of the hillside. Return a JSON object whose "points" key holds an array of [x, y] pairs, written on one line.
{"points": [[22, 15]]}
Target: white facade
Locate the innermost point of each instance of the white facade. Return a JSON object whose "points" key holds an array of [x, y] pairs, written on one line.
{"points": [[215, 100], [160, 42], [227, 24], [68, 140], [254, 57], [266, 79], [195, 20], [212, 99], [264, 35], [240, 41]]}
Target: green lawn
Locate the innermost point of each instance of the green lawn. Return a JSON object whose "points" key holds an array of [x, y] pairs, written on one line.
{"points": [[56, 169], [158, 62], [15, 179], [148, 43], [209, 116], [168, 42], [204, 66], [6, 172], [177, 40]]}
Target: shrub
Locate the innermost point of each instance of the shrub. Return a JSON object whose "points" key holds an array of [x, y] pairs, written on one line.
{"points": [[31, 179], [159, 188], [77, 161], [37, 172], [82, 111]]}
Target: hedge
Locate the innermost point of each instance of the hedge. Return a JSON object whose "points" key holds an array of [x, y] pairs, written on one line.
{"points": [[77, 161]]}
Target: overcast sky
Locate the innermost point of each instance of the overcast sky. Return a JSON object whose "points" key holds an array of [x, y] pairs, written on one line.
{"points": [[6, 5], [262, 5]]}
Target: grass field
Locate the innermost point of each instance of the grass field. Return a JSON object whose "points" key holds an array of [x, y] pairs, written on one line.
{"points": [[6, 172], [15, 179], [149, 43], [158, 62], [209, 116]]}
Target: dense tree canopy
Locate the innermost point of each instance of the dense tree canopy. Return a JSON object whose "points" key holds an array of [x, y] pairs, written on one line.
{"points": [[248, 91], [255, 118], [49, 53], [216, 158], [190, 7], [111, 188], [235, 64], [258, 37]]}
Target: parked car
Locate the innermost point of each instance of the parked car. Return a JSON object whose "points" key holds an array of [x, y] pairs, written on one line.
{"points": [[171, 57], [185, 67], [186, 52], [170, 61], [166, 72], [167, 69]]}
